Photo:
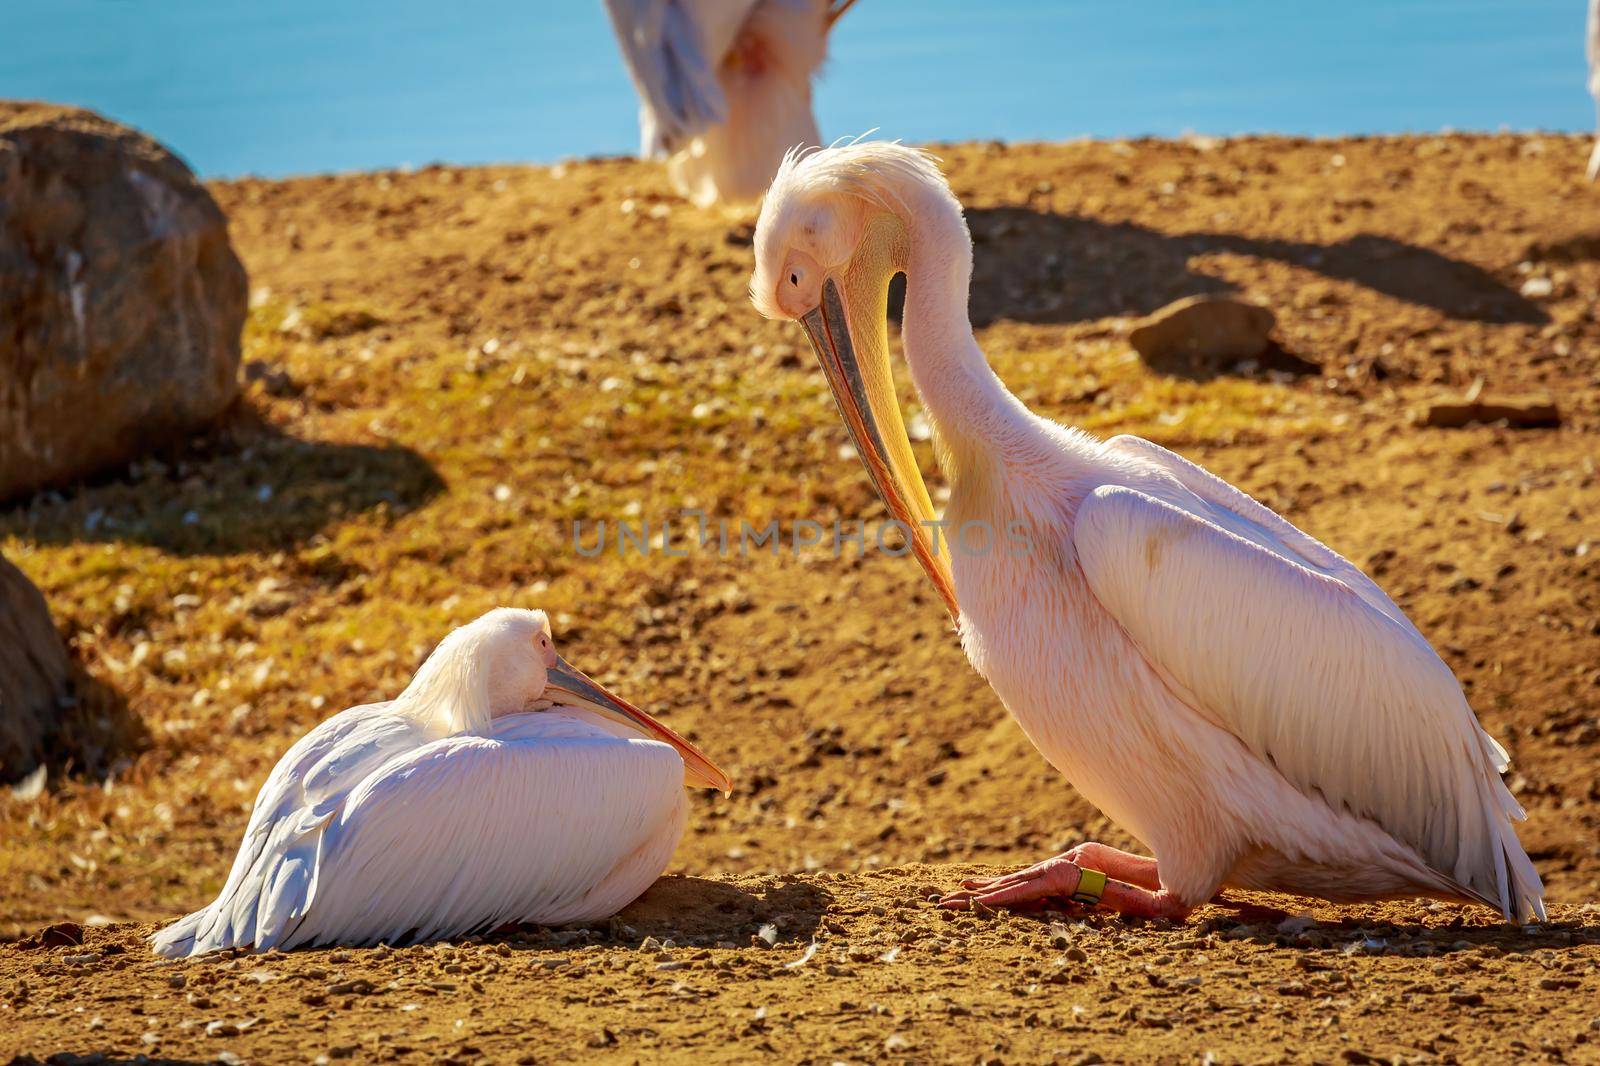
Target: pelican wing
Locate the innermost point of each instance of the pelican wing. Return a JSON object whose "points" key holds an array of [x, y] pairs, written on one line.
{"points": [[664, 45], [272, 884], [1278, 640], [547, 819]]}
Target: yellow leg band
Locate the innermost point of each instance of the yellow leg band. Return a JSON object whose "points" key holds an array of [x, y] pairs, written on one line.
{"points": [[1091, 886]]}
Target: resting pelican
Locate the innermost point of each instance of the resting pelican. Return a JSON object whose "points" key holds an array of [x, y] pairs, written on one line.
{"points": [[1235, 695], [1594, 79], [501, 786], [724, 85]]}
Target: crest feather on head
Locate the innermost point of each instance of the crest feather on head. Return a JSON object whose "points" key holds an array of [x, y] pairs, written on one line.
{"points": [[809, 179]]}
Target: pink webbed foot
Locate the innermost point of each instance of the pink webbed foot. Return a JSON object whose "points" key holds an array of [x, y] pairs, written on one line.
{"points": [[1054, 878], [1133, 886]]}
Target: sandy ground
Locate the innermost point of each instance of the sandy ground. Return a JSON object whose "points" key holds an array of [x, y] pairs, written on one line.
{"points": [[449, 367]]}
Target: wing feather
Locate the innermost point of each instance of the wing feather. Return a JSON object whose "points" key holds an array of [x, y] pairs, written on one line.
{"points": [[442, 840], [1262, 525], [664, 46], [1272, 634], [272, 881]]}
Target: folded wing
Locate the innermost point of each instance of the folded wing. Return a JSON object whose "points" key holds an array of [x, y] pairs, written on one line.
{"points": [[471, 832], [272, 882], [1286, 645]]}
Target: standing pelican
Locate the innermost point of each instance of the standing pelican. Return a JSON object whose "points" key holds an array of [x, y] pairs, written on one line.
{"points": [[501, 786], [1594, 79], [724, 85], [1231, 692]]}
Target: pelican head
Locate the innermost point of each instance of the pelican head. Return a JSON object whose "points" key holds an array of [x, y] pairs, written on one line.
{"points": [[505, 662], [835, 227]]}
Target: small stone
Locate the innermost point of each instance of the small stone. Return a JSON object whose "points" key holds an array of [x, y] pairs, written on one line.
{"points": [[62, 935], [1517, 412]]}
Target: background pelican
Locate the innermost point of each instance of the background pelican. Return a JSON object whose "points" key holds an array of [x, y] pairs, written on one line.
{"points": [[1594, 79], [501, 786], [1237, 696], [724, 86]]}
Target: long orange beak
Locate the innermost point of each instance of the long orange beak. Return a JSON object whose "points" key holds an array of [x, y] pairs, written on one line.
{"points": [[865, 395], [567, 684]]}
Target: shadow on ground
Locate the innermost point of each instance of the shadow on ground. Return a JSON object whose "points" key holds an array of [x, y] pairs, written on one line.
{"points": [[696, 907], [1266, 924], [1276, 358], [1579, 248], [245, 487], [685, 910], [1043, 267], [99, 1058], [1360, 937], [97, 730]]}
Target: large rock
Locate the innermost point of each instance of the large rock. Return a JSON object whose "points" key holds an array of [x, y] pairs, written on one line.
{"points": [[34, 678], [121, 300]]}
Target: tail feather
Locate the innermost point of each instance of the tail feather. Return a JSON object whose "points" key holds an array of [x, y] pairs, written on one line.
{"points": [[1524, 902], [1513, 887], [177, 940], [1521, 890]]}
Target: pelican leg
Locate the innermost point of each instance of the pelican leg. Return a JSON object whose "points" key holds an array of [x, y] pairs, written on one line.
{"points": [[1136, 902]]}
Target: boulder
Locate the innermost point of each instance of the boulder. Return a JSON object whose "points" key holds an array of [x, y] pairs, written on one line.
{"points": [[121, 299], [34, 674], [1203, 334]]}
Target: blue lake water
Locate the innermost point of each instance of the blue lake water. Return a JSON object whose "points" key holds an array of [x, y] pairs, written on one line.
{"points": [[296, 86]]}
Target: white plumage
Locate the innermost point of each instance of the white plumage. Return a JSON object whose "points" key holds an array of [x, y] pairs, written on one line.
{"points": [[1227, 689], [1594, 79], [452, 809], [1303, 658], [724, 86]]}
